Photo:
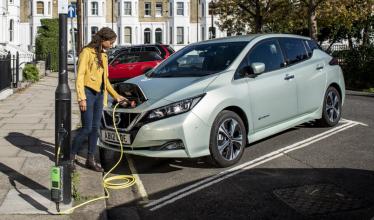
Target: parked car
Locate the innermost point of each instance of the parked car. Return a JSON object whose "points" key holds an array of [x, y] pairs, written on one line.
{"points": [[71, 59], [239, 90], [163, 50], [127, 65]]}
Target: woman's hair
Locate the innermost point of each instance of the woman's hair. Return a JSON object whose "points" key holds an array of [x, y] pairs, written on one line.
{"points": [[103, 34]]}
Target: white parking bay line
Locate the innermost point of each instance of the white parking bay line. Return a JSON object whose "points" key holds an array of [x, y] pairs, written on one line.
{"points": [[247, 165], [139, 183], [357, 122]]}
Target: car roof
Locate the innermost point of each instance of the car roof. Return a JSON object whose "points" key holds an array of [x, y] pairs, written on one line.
{"points": [[250, 37]]}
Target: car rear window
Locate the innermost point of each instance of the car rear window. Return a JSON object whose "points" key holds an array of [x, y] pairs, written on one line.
{"points": [[149, 56], [171, 50], [294, 49]]}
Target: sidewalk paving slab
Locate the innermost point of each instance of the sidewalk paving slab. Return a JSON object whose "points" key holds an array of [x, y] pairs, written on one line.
{"points": [[27, 129]]}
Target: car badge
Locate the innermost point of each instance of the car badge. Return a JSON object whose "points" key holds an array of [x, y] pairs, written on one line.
{"points": [[117, 119]]}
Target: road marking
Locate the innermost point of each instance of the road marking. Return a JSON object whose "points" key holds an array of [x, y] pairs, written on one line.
{"points": [[139, 183], [357, 122], [247, 165]]}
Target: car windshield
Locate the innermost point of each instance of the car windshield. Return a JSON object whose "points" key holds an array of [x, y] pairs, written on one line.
{"points": [[199, 60]]}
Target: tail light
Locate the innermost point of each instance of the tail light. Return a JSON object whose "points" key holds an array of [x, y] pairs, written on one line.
{"points": [[334, 61]]}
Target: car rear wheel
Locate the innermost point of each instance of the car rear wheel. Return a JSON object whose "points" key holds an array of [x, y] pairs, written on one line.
{"points": [[227, 139], [332, 108]]}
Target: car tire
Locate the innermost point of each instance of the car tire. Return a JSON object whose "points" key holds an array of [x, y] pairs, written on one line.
{"points": [[227, 143], [332, 108]]}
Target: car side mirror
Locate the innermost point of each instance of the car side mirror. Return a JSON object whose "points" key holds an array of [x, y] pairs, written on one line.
{"points": [[253, 70], [258, 68]]}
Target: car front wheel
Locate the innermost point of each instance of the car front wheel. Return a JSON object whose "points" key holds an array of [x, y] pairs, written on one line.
{"points": [[227, 139]]}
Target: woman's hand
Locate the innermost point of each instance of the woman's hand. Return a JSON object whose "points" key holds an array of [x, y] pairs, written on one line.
{"points": [[122, 100], [125, 102], [82, 105]]}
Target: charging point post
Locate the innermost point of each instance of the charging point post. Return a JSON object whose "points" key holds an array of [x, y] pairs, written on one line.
{"points": [[61, 173]]}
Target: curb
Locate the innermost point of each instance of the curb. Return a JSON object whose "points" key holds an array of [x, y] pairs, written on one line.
{"points": [[359, 93]]}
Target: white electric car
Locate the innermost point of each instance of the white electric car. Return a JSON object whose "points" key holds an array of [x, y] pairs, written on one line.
{"points": [[215, 97]]}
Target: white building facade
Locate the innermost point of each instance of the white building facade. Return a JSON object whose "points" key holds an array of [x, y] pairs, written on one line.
{"points": [[174, 22]]}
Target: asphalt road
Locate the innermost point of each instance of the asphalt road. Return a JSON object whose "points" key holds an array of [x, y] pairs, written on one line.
{"points": [[307, 172]]}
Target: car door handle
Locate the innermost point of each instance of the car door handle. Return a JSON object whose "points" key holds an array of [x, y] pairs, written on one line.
{"points": [[288, 77], [319, 67]]}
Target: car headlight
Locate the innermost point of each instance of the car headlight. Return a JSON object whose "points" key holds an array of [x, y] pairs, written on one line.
{"points": [[173, 109]]}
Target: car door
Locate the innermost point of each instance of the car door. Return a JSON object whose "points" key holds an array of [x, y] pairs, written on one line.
{"points": [[308, 71], [273, 93], [120, 67]]}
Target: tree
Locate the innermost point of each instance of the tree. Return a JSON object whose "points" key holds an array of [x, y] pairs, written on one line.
{"points": [[250, 16], [47, 41], [311, 8], [345, 19]]}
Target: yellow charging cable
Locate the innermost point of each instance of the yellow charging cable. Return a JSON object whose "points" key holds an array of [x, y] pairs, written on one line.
{"points": [[113, 182]]}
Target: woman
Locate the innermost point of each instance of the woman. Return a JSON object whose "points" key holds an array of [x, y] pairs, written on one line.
{"points": [[93, 86]]}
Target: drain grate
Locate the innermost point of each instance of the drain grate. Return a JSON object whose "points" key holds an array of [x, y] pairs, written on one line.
{"points": [[319, 199]]}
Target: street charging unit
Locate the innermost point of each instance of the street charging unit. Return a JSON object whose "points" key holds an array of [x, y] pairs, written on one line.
{"points": [[61, 173]]}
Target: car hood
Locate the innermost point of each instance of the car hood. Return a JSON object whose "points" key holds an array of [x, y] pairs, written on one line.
{"points": [[171, 89]]}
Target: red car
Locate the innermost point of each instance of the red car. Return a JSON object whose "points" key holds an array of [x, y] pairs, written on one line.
{"points": [[127, 65]]}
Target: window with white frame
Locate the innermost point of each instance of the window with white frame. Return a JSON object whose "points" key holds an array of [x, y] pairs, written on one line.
{"points": [[11, 30], [159, 9], [11, 1], [127, 7], [40, 8], [158, 36], [202, 10], [49, 8], [147, 9], [147, 36], [128, 38], [180, 8], [180, 35], [94, 8]]}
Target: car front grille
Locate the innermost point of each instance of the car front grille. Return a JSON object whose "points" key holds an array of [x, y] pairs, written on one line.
{"points": [[124, 121]]}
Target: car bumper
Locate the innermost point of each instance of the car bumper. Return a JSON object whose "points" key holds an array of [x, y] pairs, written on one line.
{"points": [[150, 139]]}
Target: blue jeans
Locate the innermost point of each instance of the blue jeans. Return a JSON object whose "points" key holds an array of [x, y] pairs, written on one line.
{"points": [[90, 122]]}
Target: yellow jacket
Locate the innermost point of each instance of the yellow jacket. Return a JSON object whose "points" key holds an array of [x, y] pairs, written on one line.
{"points": [[90, 74]]}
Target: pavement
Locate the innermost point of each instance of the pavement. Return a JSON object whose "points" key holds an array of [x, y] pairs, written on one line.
{"points": [[27, 130]]}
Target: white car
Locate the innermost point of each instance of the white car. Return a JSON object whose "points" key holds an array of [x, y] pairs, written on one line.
{"points": [[235, 90], [71, 59]]}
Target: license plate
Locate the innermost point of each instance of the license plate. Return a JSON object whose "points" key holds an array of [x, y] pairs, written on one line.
{"points": [[112, 137]]}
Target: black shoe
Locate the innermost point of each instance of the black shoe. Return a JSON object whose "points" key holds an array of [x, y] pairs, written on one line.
{"points": [[92, 164]]}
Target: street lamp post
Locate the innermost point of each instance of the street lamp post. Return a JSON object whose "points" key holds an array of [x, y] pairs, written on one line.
{"points": [[63, 106]]}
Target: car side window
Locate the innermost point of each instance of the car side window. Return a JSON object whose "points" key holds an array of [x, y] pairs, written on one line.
{"points": [[308, 49], [136, 49], [120, 58], [269, 53], [149, 56], [151, 49], [133, 58], [294, 49]]}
